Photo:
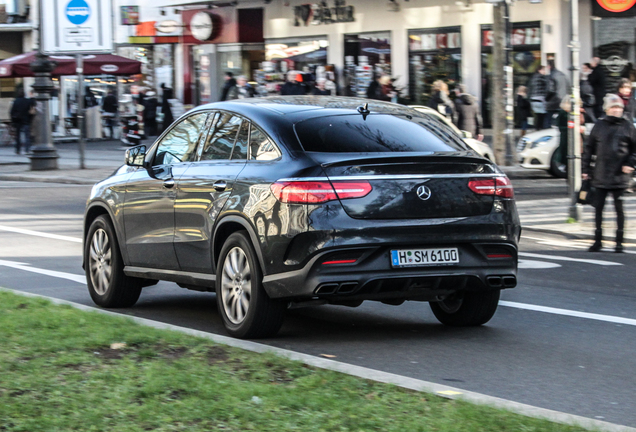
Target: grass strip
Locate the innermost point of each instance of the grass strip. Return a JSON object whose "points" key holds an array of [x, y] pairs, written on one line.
{"points": [[60, 371]]}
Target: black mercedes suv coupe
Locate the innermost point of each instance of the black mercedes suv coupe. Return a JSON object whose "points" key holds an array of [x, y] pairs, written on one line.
{"points": [[292, 201]]}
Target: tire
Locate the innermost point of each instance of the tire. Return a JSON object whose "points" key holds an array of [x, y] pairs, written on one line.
{"points": [[246, 309], [466, 309], [107, 284], [557, 169]]}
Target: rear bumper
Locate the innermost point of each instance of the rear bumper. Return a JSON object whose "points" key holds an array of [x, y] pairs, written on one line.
{"points": [[372, 277]]}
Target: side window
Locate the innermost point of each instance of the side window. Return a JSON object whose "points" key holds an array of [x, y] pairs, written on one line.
{"points": [[240, 148], [180, 144], [220, 141], [261, 147]]}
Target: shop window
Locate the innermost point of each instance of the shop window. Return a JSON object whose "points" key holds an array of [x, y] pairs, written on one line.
{"points": [[434, 54], [366, 55]]}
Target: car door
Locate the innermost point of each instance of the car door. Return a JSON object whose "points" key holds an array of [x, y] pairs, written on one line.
{"points": [[151, 193], [205, 188]]}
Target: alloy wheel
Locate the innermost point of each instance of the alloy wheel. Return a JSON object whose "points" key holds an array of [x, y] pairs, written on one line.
{"points": [[236, 285], [100, 261]]}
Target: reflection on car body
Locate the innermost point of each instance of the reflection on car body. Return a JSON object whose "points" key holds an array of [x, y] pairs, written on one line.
{"points": [[304, 200]]}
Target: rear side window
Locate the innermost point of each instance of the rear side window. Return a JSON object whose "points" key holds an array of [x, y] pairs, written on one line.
{"points": [[240, 148], [378, 133], [261, 147], [221, 140]]}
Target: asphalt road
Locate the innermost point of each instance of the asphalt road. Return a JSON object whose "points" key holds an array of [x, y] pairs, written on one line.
{"points": [[556, 358]]}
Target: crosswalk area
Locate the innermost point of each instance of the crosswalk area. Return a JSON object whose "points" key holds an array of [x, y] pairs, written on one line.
{"points": [[551, 216]]}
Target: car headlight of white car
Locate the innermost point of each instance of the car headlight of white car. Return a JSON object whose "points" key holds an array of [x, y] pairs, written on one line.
{"points": [[541, 141]]}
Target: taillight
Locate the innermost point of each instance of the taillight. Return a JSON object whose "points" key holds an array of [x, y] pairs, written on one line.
{"points": [[314, 192], [498, 186]]}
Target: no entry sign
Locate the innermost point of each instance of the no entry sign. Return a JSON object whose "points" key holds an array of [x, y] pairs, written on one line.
{"points": [[76, 26]]}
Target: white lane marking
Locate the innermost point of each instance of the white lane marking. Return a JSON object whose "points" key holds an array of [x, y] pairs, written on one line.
{"points": [[57, 274], [567, 312], [531, 264], [562, 258], [577, 244], [40, 234]]}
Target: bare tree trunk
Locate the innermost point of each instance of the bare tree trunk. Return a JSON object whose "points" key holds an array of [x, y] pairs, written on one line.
{"points": [[498, 98]]}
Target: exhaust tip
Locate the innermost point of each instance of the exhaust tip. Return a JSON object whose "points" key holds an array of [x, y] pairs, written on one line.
{"points": [[509, 281], [494, 281], [347, 287], [327, 288]]}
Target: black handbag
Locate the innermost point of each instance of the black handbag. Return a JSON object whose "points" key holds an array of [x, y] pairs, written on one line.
{"points": [[587, 193]]}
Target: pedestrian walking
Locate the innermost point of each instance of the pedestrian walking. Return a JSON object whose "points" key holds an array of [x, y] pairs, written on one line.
{"points": [[294, 85], [375, 91], [588, 100], [229, 83], [166, 108], [626, 94], [109, 108], [440, 100], [241, 90], [467, 116], [320, 89], [150, 113], [331, 84], [562, 123], [558, 86], [613, 142], [22, 112], [523, 108], [596, 79], [537, 92]]}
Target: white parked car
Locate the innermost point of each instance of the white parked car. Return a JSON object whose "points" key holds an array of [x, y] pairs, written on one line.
{"points": [[537, 150], [480, 147]]}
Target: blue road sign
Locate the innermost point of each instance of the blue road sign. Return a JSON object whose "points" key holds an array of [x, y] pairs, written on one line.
{"points": [[78, 12]]}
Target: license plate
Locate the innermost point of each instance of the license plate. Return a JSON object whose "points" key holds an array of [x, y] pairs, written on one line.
{"points": [[424, 257]]}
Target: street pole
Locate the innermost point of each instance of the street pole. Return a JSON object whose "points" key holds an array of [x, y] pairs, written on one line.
{"points": [[44, 155], [509, 90], [498, 97], [574, 144], [79, 60]]}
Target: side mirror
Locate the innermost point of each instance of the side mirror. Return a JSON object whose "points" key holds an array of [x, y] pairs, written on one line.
{"points": [[466, 134], [136, 156]]}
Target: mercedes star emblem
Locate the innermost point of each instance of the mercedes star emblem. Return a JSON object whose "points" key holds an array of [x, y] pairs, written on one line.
{"points": [[424, 192]]}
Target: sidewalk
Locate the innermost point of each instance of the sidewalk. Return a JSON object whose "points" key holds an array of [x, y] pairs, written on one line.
{"points": [[103, 157]]}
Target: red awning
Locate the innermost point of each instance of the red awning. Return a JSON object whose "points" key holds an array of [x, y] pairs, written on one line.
{"points": [[97, 64]]}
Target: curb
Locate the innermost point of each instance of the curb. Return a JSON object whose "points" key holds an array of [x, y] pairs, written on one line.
{"points": [[62, 180], [365, 373]]}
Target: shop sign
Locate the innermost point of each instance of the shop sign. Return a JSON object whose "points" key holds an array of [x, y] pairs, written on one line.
{"points": [[615, 64], [316, 14], [519, 36], [109, 68], [616, 6], [202, 26], [129, 15], [167, 26], [434, 41]]}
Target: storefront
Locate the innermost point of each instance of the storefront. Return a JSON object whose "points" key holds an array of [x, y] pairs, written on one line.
{"points": [[366, 55], [216, 41], [308, 54], [434, 54], [614, 40], [525, 58]]}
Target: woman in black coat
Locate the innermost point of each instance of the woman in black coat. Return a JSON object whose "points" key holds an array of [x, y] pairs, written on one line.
{"points": [[613, 141], [166, 108]]}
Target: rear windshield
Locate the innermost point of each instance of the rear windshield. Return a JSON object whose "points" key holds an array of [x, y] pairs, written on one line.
{"points": [[378, 133]]}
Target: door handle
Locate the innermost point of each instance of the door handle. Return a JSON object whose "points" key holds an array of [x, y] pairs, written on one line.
{"points": [[168, 184], [220, 185]]}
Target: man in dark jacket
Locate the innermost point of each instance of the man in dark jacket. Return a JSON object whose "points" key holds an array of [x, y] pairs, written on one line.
{"points": [[229, 83], [150, 113], [558, 86], [21, 115], [166, 108], [596, 78], [613, 141], [109, 106], [537, 93], [294, 85], [467, 113]]}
